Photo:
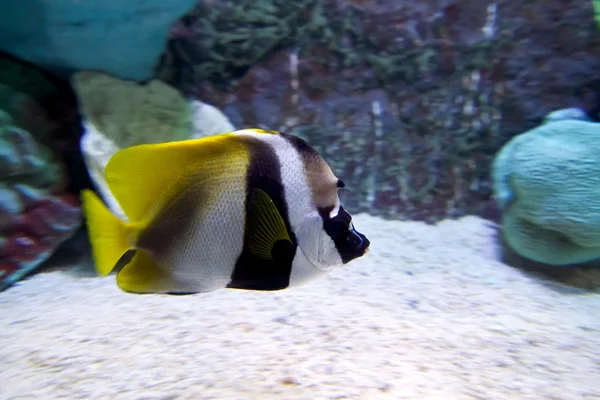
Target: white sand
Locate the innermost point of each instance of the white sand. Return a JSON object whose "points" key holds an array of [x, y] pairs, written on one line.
{"points": [[428, 314]]}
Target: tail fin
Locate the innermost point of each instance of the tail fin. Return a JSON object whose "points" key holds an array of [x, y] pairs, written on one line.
{"points": [[110, 236]]}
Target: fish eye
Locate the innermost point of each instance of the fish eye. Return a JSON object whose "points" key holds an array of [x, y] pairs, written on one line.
{"points": [[340, 184]]}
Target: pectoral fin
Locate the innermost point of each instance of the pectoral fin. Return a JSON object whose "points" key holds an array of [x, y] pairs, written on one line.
{"points": [[266, 227]]}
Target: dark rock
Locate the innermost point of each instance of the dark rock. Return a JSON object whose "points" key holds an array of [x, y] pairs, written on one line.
{"points": [[408, 101]]}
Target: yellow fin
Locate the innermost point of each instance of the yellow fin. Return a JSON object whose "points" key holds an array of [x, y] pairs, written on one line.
{"points": [[143, 275], [110, 236], [146, 177], [265, 225]]}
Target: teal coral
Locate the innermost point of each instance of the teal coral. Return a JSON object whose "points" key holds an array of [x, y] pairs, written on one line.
{"points": [[546, 181]]}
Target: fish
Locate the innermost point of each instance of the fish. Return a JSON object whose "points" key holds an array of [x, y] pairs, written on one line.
{"points": [[250, 209]]}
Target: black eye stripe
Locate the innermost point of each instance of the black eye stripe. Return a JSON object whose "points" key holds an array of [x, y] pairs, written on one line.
{"points": [[349, 243], [337, 230], [325, 212], [343, 215], [337, 227]]}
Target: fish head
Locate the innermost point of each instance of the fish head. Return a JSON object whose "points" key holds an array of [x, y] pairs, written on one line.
{"points": [[324, 230], [327, 239]]}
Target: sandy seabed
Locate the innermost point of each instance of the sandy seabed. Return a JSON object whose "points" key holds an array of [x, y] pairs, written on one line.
{"points": [[429, 313]]}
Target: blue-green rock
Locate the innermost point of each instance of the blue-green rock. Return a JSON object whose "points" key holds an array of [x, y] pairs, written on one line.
{"points": [[121, 38]]}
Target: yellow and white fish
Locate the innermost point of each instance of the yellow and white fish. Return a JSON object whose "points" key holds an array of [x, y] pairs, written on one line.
{"points": [[251, 209]]}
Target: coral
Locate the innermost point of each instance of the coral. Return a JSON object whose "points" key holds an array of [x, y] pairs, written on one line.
{"points": [[39, 134], [45, 106], [26, 112], [40, 103], [546, 182], [36, 214]]}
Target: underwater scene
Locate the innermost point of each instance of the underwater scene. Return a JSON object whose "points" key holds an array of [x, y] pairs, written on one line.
{"points": [[309, 199]]}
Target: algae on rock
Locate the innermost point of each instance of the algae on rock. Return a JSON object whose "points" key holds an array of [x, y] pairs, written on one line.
{"points": [[119, 114], [129, 113]]}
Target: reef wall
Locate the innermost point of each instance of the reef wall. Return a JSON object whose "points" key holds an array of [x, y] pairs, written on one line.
{"points": [[408, 101]]}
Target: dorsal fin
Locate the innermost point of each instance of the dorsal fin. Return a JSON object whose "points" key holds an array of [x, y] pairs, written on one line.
{"points": [[144, 178]]}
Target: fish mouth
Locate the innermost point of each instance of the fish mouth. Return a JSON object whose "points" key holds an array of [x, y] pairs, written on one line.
{"points": [[354, 246], [349, 242], [363, 243]]}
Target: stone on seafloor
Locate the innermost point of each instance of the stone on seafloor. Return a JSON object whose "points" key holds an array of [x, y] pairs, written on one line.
{"points": [[121, 38], [35, 212], [97, 149], [209, 120], [407, 100], [119, 114], [546, 182]]}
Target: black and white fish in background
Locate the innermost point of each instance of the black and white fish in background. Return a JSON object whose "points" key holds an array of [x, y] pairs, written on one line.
{"points": [[251, 209]]}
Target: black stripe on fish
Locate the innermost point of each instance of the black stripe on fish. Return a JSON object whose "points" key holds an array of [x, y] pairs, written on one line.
{"points": [[250, 272]]}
